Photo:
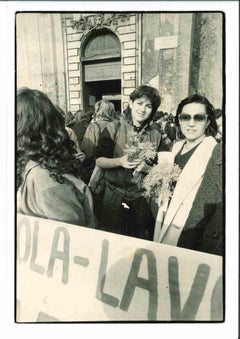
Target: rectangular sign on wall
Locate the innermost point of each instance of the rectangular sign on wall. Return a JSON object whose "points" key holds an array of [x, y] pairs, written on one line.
{"points": [[103, 71], [67, 273]]}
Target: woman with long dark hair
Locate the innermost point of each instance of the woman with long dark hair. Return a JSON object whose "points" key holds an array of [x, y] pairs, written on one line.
{"points": [[48, 173]]}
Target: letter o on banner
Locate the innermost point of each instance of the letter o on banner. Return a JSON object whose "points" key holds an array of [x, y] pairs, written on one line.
{"points": [[23, 240]]}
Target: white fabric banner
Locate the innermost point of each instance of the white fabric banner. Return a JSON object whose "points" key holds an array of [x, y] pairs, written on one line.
{"points": [[75, 274]]}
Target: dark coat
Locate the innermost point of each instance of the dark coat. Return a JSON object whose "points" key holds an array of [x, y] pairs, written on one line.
{"points": [[171, 130], [203, 230], [80, 128], [119, 177]]}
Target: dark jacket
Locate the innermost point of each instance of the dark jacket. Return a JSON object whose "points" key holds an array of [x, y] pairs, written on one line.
{"points": [[89, 144], [203, 230], [80, 128], [122, 179], [112, 144], [91, 137], [171, 130]]}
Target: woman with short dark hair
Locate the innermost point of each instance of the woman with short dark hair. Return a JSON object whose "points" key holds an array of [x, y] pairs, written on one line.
{"points": [[125, 209]]}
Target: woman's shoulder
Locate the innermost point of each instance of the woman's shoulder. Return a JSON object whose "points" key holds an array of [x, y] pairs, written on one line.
{"points": [[42, 181], [179, 142], [116, 123], [93, 126], [76, 182], [40, 177], [114, 126], [177, 146], [99, 125]]}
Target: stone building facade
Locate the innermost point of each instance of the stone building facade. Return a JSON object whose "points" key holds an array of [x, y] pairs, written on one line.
{"points": [[78, 58]]}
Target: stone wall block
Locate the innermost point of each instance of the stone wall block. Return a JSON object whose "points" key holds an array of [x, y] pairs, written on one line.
{"points": [[73, 74], [129, 61], [75, 101], [73, 81], [74, 94], [129, 83], [126, 29], [73, 44], [128, 68], [73, 59], [127, 91], [73, 67], [74, 87], [129, 76], [129, 45], [128, 37], [72, 52]]}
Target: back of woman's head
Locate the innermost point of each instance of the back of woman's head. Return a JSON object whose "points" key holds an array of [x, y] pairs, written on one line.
{"points": [[69, 117], [82, 115], [42, 137], [38, 119], [105, 109], [210, 111]]}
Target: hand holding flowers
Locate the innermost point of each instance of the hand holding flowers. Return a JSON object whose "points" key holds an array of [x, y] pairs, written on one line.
{"points": [[129, 164], [139, 150]]}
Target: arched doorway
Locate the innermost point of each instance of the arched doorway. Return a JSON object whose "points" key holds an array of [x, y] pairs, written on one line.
{"points": [[101, 65]]}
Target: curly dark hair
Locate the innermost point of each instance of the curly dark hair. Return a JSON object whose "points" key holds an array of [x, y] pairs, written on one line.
{"points": [[197, 98], [42, 137], [151, 93]]}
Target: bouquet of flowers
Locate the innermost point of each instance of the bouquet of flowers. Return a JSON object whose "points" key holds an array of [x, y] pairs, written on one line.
{"points": [[160, 180], [136, 149]]}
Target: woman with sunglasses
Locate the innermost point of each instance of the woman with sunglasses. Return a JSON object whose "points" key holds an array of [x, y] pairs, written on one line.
{"points": [[197, 127]]}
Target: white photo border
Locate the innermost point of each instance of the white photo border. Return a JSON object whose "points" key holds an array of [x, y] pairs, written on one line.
{"points": [[9, 329]]}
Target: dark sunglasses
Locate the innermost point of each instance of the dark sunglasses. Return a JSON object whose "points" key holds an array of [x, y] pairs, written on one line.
{"points": [[183, 117]]}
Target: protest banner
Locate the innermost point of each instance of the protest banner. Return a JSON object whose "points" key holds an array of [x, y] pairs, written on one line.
{"points": [[67, 273]]}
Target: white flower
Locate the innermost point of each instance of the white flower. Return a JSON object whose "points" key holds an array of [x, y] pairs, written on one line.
{"points": [[160, 180]]}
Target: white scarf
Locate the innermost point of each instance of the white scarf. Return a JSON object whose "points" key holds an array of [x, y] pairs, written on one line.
{"points": [[168, 228]]}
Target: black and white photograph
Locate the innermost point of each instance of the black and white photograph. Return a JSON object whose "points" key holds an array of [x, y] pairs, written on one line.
{"points": [[125, 186]]}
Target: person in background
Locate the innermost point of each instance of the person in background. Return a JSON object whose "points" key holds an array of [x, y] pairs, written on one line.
{"points": [[69, 118], [171, 128], [80, 123], [166, 144], [164, 120], [104, 113], [49, 181], [196, 200], [218, 117], [125, 209], [79, 154], [158, 117]]}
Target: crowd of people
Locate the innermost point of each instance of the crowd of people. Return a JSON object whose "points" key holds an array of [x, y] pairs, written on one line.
{"points": [[87, 169]]}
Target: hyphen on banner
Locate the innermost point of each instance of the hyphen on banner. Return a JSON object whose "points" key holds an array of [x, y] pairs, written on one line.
{"points": [[71, 273]]}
